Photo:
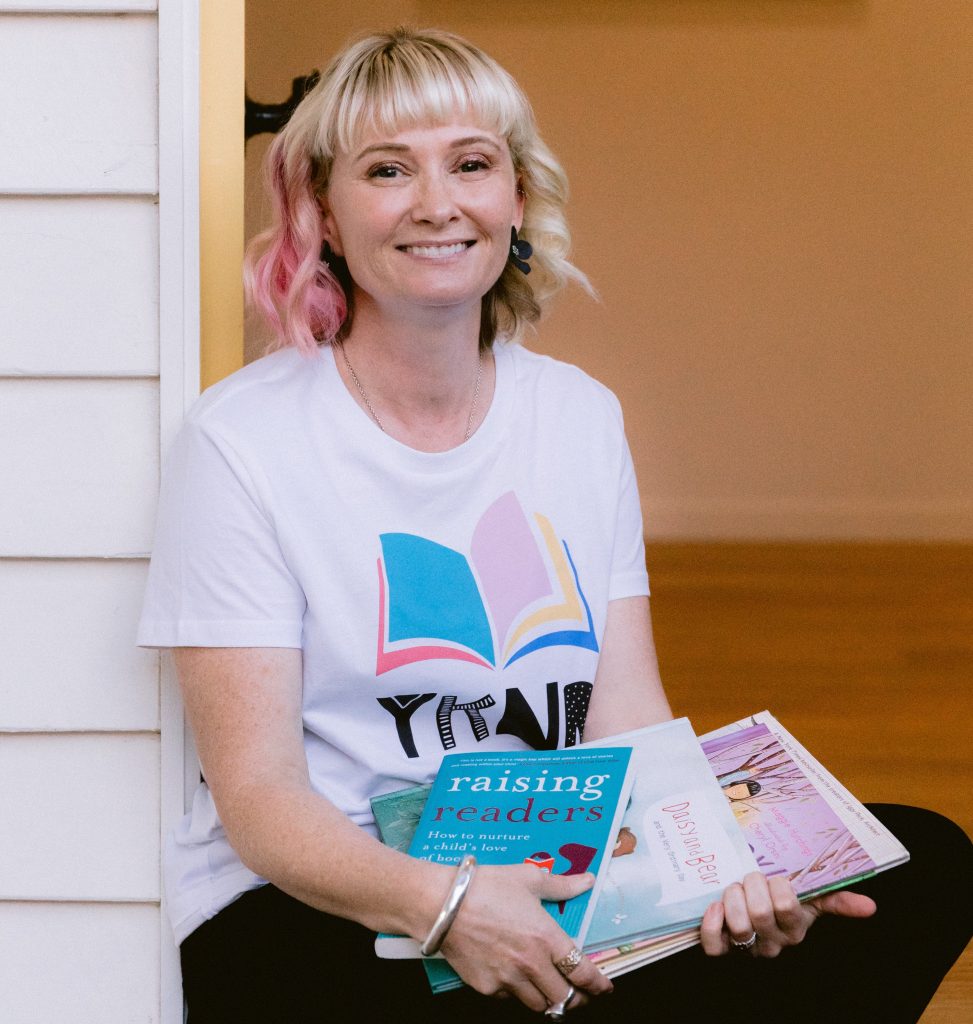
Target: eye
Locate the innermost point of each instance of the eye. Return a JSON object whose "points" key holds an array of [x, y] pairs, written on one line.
{"points": [[472, 164], [385, 171]]}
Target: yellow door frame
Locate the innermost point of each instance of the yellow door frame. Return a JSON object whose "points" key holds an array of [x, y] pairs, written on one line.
{"points": [[221, 188]]}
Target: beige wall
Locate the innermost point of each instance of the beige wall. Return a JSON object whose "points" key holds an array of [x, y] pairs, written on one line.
{"points": [[773, 198]]}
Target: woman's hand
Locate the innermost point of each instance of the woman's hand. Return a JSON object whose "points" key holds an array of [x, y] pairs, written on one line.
{"points": [[769, 909], [504, 943]]}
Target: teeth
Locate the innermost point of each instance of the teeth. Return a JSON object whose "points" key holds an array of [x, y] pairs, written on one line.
{"points": [[436, 251]]}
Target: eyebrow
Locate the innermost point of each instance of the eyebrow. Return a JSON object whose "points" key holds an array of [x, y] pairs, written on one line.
{"points": [[399, 147]]}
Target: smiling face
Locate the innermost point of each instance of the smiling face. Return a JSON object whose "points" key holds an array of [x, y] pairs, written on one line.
{"points": [[422, 216]]}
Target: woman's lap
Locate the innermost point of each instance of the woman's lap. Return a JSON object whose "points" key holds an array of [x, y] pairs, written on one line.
{"points": [[269, 958]]}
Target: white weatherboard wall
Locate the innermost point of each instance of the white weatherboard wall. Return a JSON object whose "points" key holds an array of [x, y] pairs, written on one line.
{"points": [[98, 360]]}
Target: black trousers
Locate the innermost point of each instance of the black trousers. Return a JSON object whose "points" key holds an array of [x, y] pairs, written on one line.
{"points": [[269, 959]]}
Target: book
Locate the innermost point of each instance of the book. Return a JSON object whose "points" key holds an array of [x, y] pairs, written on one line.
{"points": [[676, 807], [797, 819], [397, 816], [558, 810], [679, 846]]}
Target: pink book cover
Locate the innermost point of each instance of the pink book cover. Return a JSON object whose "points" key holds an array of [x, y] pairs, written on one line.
{"points": [[789, 825]]}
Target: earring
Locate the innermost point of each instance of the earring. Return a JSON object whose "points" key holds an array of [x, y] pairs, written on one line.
{"points": [[520, 252]]}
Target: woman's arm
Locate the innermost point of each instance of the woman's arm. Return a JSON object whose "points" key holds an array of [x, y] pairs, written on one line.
{"points": [[628, 691], [244, 706]]}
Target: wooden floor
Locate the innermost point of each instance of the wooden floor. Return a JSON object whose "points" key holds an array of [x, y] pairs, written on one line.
{"points": [[864, 651]]}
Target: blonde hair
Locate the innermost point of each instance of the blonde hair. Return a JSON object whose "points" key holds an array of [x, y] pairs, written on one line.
{"points": [[385, 83]]}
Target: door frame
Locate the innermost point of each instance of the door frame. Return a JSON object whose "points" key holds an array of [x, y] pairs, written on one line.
{"points": [[201, 109]]}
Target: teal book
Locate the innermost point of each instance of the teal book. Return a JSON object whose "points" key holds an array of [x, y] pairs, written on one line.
{"points": [[397, 816], [558, 810]]}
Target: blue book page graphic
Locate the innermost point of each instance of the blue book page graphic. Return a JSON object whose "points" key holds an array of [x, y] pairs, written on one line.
{"points": [[679, 845]]}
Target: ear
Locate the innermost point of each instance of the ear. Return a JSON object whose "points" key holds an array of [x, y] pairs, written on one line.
{"points": [[520, 200], [331, 234]]}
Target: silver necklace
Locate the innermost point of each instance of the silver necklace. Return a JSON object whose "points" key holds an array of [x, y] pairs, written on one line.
{"points": [[374, 414]]}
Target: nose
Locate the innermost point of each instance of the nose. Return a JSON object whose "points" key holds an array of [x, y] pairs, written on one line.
{"points": [[434, 200]]}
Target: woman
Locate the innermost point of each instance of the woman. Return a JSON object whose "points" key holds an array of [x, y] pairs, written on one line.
{"points": [[355, 535]]}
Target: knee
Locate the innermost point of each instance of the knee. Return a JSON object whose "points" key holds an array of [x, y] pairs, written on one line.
{"points": [[938, 847], [922, 826]]}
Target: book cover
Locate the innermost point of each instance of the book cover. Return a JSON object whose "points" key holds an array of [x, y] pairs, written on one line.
{"points": [[679, 846], [397, 816], [799, 821], [558, 810]]}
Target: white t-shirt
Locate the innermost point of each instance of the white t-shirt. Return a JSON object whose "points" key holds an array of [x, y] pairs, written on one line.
{"points": [[442, 601]]}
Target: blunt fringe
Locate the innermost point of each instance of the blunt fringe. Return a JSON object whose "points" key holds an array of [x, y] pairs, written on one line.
{"points": [[387, 83]]}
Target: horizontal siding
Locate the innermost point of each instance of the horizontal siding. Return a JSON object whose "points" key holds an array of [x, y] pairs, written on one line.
{"points": [[80, 817], [79, 964], [77, 6], [91, 268], [80, 104], [69, 655], [82, 478], [82, 936]]}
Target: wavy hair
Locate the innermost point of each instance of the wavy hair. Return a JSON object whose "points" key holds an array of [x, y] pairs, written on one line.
{"points": [[385, 83]]}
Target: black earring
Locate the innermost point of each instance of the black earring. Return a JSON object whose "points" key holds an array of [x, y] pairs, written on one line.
{"points": [[520, 252]]}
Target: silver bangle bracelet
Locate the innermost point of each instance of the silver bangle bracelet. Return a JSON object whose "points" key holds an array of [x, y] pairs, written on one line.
{"points": [[454, 900]]}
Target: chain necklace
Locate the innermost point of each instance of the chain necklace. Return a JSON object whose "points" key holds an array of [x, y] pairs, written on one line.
{"points": [[374, 414]]}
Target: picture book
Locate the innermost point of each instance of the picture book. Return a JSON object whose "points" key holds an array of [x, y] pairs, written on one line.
{"points": [[558, 810], [797, 819], [397, 815], [679, 846]]}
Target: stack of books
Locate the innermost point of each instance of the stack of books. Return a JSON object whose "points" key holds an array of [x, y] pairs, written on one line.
{"points": [[665, 820]]}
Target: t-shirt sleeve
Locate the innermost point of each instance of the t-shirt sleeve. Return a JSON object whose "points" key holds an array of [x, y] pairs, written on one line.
{"points": [[218, 577], [629, 577]]}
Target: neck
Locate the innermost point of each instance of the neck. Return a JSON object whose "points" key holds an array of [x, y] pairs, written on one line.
{"points": [[419, 378]]}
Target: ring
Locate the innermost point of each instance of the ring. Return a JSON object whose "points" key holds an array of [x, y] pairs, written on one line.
{"points": [[569, 962], [556, 1010], [746, 944]]}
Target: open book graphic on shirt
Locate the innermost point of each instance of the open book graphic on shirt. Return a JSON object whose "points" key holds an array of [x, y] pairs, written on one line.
{"points": [[514, 594]]}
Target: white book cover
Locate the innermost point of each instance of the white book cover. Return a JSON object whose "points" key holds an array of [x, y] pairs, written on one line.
{"points": [[679, 846]]}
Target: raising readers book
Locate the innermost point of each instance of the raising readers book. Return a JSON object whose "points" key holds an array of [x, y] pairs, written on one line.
{"points": [[558, 810]]}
